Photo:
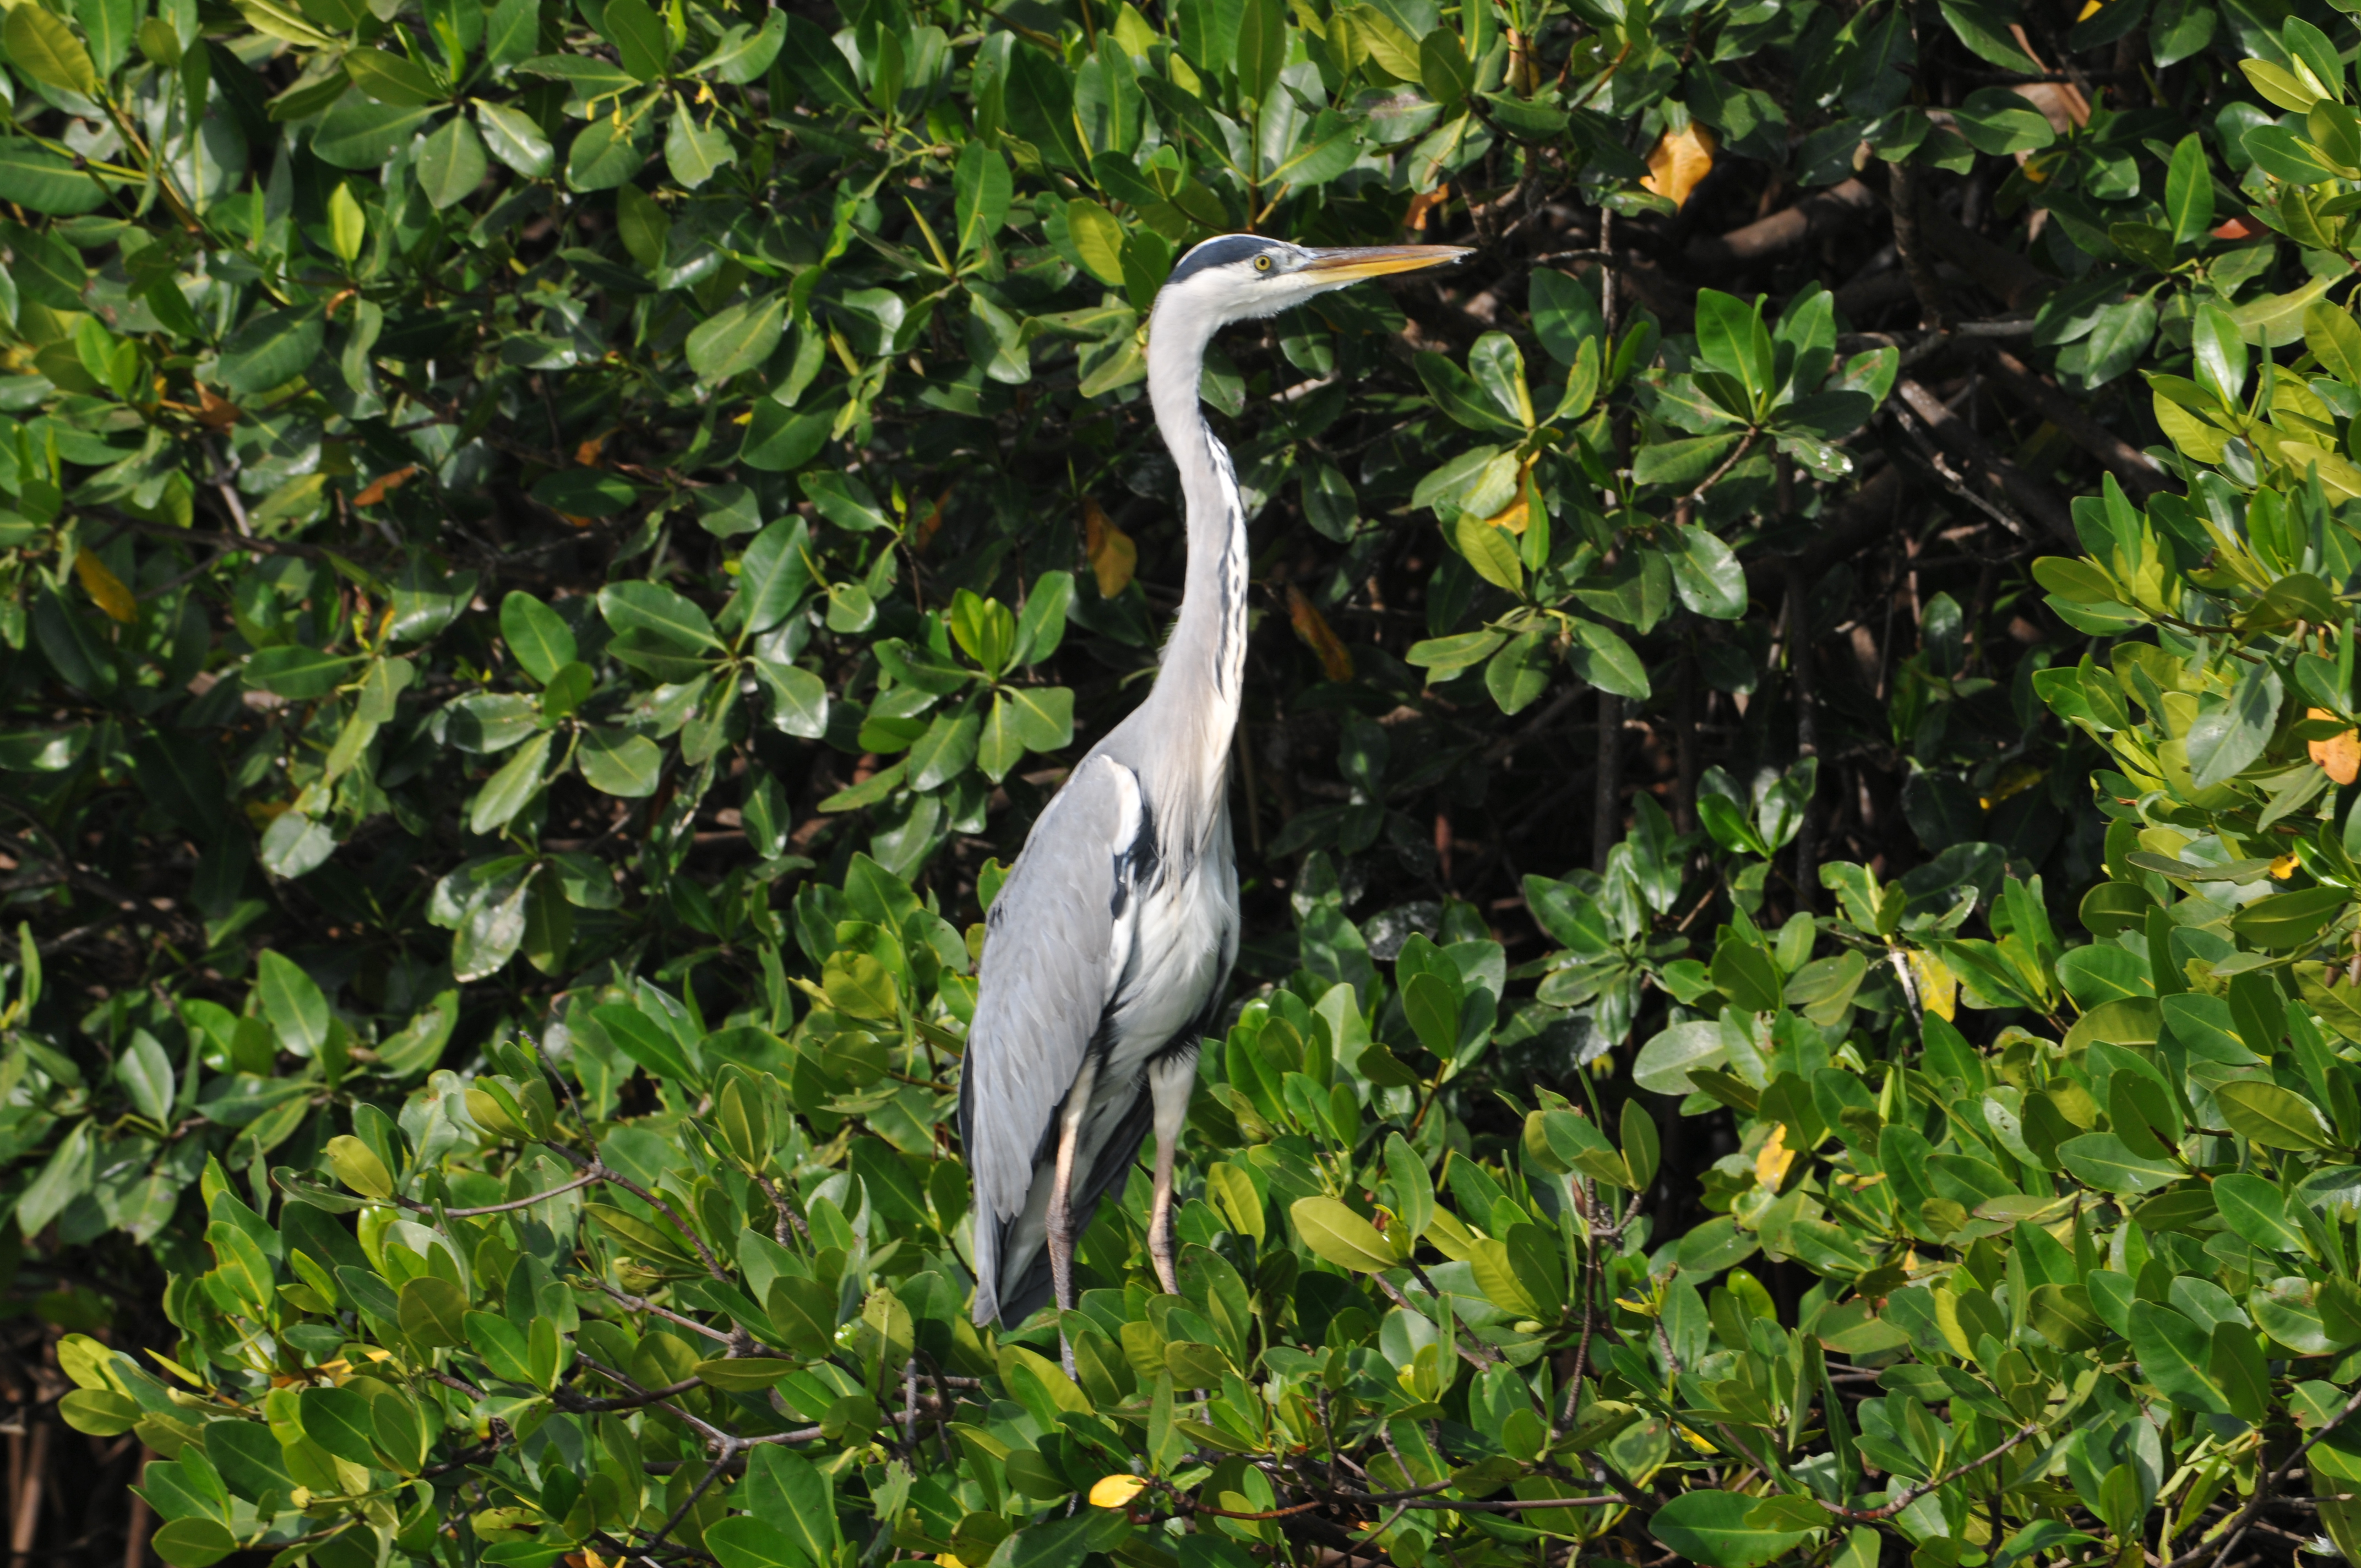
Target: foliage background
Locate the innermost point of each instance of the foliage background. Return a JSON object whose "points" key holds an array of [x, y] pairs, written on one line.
{"points": [[551, 554]]}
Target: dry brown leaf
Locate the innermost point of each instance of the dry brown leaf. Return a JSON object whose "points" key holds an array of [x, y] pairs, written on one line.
{"points": [[922, 533], [105, 589], [2339, 756], [385, 485], [586, 455], [1336, 659], [1113, 557], [215, 411], [1422, 203], [1680, 160]]}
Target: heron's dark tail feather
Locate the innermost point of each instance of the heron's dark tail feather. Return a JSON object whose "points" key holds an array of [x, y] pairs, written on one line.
{"points": [[1026, 1293]]}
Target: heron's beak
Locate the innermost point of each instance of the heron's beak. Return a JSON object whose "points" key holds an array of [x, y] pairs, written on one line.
{"points": [[1351, 265]]}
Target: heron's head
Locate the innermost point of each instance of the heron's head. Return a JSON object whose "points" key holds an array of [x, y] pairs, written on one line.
{"points": [[1239, 276]]}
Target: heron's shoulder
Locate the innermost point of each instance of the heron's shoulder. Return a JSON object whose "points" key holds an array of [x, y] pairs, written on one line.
{"points": [[1092, 820]]}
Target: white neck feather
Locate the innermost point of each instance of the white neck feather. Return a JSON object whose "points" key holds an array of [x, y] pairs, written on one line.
{"points": [[1195, 700]]}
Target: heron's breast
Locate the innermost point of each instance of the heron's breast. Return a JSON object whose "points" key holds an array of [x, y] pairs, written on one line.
{"points": [[1180, 948]]}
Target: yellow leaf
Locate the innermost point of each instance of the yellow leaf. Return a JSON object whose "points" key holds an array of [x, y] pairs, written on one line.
{"points": [[2339, 756], [2014, 779], [1336, 659], [1113, 557], [107, 589], [1680, 159], [1938, 988], [2285, 865], [1514, 516], [945, 1559], [1772, 1161], [1115, 1491]]}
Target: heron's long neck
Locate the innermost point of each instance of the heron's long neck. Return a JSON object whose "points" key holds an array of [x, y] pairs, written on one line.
{"points": [[1197, 691]]}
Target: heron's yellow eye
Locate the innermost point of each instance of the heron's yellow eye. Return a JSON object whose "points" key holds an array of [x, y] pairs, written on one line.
{"points": [[1262, 263]]}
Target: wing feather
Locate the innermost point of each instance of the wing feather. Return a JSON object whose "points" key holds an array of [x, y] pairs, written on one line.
{"points": [[1049, 967]]}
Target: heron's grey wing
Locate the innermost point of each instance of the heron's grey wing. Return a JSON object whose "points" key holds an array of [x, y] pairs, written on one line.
{"points": [[1051, 960]]}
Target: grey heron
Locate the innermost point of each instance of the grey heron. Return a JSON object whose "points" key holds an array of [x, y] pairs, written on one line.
{"points": [[1108, 947]]}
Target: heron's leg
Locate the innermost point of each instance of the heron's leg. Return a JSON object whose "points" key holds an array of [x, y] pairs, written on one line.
{"points": [[1170, 1083], [1061, 1207]]}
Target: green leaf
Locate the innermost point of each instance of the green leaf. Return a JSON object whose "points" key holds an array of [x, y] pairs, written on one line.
{"points": [[2189, 191], [944, 752], [1337, 1235], [433, 1310], [999, 747], [639, 36], [737, 339], [391, 78], [821, 67], [2283, 920], [1714, 1528], [515, 140], [585, 492], [981, 191], [1039, 96], [2103, 1161], [41, 46], [1491, 550], [1732, 338], [2177, 1357], [190, 1542], [774, 574], [145, 1074], [1664, 1062], [639, 1037], [1432, 1005], [1706, 575], [1984, 28], [358, 1167], [537, 638], [617, 763], [450, 164], [2334, 339], [297, 1011], [792, 1499], [1600, 656], [2256, 1212], [338, 1420], [637, 605], [1097, 237], [507, 792], [1040, 717], [2229, 733], [1681, 464], [359, 133], [2274, 1117], [694, 155], [604, 155], [741, 1541], [40, 181], [271, 349], [1444, 657]]}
